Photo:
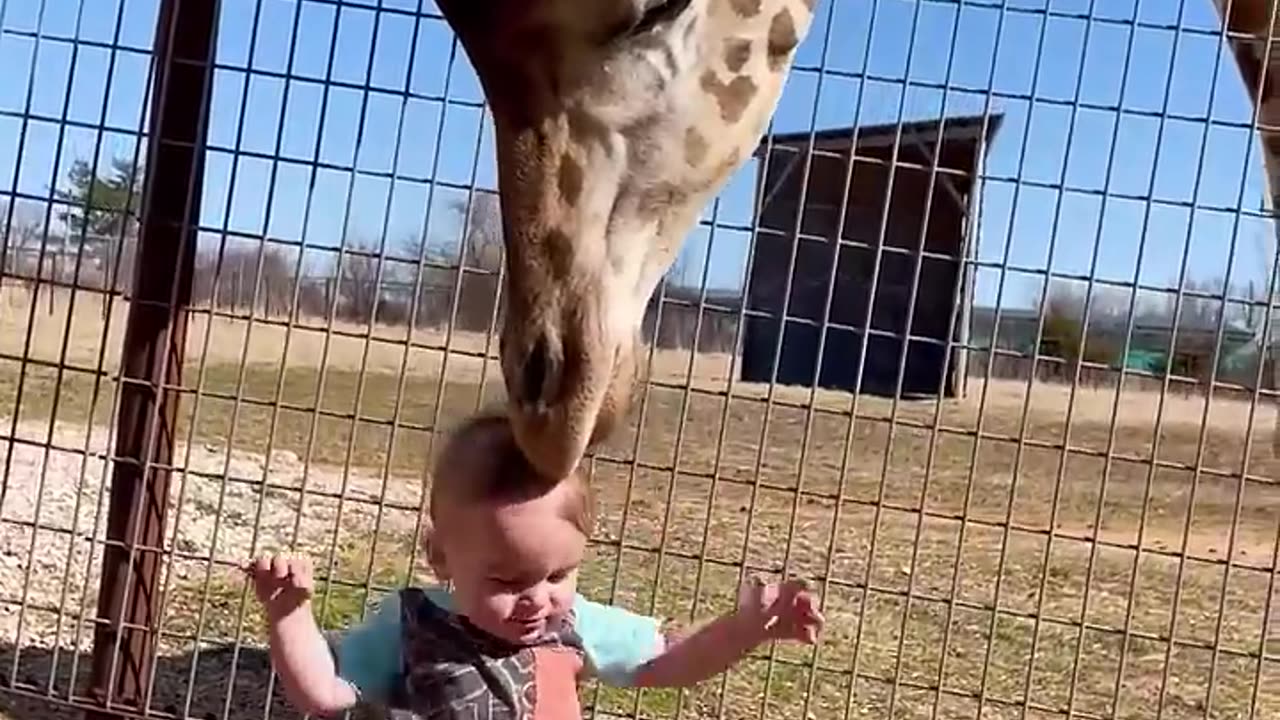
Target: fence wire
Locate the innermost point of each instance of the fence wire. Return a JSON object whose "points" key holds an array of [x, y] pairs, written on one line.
{"points": [[1010, 408]]}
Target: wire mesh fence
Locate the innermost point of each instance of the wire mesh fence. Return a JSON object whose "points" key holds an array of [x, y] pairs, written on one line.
{"points": [[1009, 407]]}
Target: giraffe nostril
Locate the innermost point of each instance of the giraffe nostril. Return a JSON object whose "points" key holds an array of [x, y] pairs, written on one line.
{"points": [[540, 375]]}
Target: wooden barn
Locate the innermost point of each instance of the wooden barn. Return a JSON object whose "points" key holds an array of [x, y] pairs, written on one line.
{"points": [[894, 167]]}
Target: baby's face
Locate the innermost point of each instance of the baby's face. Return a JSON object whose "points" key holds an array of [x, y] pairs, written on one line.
{"points": [[514, 567]]}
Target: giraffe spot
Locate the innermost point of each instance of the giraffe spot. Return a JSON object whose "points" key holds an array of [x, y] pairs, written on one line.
{"points": [[733, 97], [746, 8], [570, 180], [695, 147], [782, 39], [559, 253], [737, 51], [661, 198]]}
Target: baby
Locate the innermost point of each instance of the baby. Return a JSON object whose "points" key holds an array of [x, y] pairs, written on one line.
{"points": [[513, 637]]}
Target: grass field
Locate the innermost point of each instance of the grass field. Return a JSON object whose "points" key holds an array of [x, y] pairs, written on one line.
{"points": [[906, 527]]}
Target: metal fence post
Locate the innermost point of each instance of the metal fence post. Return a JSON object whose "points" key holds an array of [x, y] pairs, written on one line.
{"points": [[151, 359]]}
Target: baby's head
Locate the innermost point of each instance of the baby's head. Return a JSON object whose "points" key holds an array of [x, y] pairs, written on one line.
{"points": [[509, 539]]}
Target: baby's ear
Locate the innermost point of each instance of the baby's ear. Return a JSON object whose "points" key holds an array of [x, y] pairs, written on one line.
{"points": [[434, 551]]}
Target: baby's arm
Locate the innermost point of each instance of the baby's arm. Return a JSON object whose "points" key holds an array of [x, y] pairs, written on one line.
{"points": [[765, 612], [313, 680], [703, 652], [302, 659], [629, 649]]}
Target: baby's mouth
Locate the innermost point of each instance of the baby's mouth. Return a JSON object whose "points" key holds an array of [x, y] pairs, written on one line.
{"points": [[530, 626]]}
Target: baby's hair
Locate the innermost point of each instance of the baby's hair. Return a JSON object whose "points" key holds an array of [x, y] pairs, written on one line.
{"points": [[480, 462]]}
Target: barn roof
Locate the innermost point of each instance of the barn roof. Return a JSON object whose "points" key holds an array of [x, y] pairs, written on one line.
{"points": [[920, 134], [837, 139]]}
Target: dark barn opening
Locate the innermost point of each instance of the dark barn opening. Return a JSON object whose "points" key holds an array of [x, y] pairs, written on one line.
{"points": [[904, 185]]}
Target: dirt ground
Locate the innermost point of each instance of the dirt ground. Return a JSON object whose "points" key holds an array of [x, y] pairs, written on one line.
{"points": [[973, 559]]}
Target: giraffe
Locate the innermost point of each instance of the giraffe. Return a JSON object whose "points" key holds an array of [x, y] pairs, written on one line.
{"points": [[1253, 27], [615, 123]]}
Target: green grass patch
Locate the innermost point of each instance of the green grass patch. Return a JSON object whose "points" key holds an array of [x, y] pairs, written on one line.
{"points": [[353, 425]]}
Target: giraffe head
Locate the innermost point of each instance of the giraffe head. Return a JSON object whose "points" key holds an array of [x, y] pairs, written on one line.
{"points": [[615, 122]]}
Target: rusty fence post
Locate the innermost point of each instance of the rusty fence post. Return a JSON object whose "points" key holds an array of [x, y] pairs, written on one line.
{"points": [[151, 359]]}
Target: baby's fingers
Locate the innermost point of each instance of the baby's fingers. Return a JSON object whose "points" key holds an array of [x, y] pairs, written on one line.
{"points": [[280, 567], [789, 592], [301, 576], [257, 566], [805, 607], [792, 587]]}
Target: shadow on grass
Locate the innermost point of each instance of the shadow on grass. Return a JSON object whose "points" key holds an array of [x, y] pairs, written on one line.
{"points": [[217, 682]]}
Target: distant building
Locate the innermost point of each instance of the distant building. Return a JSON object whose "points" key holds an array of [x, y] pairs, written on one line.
{"points": [[929, 201], [1152, 346]]}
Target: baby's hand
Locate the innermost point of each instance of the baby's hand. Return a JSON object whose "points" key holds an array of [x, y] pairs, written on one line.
{"points": [[282, 582], [785, 610]]}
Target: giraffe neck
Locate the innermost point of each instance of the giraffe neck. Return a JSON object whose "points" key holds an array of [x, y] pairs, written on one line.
{"points": [[616, 121]]}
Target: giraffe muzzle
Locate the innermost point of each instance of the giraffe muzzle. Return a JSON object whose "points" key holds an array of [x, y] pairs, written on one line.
{"points": [[569, 383], [540, 375]]}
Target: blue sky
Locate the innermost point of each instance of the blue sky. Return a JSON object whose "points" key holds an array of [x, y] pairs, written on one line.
{"points": [[1042, 63]]}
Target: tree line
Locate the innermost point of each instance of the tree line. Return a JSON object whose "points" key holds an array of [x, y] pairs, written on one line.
{"points": [[407, 280], [411, 281], [1094, 332]]}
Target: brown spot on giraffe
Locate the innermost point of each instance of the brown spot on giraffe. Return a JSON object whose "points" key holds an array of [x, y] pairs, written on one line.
{"points": [[733, 97], [737, 51], [782, 39], [662, 195], [695, 147], [570, 180], [746, 8], [559, 254]]}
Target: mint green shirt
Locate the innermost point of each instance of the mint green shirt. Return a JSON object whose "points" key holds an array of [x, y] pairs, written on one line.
{"points": [[616, 643]]}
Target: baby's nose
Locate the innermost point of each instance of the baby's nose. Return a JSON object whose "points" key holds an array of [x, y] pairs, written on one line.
{"points": [[532, 600]]}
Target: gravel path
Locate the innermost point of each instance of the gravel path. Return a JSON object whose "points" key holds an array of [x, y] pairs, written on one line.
{"points": [[62, 493]]}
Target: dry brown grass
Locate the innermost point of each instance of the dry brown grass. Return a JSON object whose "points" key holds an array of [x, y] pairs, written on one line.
{"points": [[905, 527]]}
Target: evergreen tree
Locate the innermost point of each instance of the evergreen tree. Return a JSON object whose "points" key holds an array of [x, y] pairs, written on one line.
{"points": [[103, 205]]}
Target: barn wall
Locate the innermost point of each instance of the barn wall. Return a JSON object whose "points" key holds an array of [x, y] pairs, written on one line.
{"points": [[855, 260]]}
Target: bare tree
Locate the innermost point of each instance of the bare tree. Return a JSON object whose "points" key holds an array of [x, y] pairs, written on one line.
{"points": [[1198, 312], [1109, 306], [23, 237], [27, 225], [682, 269], [482, 231], [235, 281], [1253, 308], [358, 281], [423, 269], [1064, 334]]}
